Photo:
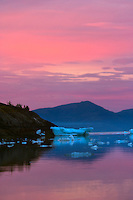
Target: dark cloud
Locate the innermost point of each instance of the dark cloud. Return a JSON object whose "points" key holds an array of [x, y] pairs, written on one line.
{"points": [[124, 70], [106, 68], [103, 75], [123, 61], [85, 62], [72, 63]]}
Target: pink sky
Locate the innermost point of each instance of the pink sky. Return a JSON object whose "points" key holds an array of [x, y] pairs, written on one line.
{"points": [[57, 52]]}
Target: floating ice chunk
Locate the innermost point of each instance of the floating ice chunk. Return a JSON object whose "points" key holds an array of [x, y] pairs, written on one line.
{"points": [[100, 143], [95, 147], [108, 143], [11, 142], [10, 145], [121, 141], [130, 144], [34, 142], [90, 143], [42, 134], [131, 131], [24, 142], [80, 154], [71, 137], [125, 132], [38, 132], [39, 142], [45, 145]]}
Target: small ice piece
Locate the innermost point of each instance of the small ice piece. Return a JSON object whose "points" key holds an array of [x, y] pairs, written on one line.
{"points": [[38, 132], [42, 134], [95, 147], [90, 143], [44, 145], [11, 142], [100, 142], [24, 142], [34, 142], [130, 144], [125, 132], [10, 145], [108, 142], [131, 131], [39, 142], [71, 137], [121, 141]]}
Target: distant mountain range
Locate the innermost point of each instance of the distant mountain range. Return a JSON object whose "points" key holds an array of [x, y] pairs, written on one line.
{"points": [[87, 113]]}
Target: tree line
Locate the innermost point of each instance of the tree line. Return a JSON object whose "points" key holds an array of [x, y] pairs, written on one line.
{"points": [[18, 105]]}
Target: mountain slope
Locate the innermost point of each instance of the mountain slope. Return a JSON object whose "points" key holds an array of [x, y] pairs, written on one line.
{"points": [[86, 113], [75, 112], [18, 122], [127, 114]]}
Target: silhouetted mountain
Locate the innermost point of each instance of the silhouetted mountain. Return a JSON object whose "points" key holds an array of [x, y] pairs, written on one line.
{"points": [[16, 122], [87, 113], [126, 113]]}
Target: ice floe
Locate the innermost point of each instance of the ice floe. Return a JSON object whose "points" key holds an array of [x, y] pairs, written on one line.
{"points": [[95, 147], [130, 144], [121, 141], [45, 145], [24, 142], [100, 143]]}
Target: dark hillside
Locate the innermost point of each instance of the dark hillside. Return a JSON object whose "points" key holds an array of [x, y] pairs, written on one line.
{"points": [[19, 122]]}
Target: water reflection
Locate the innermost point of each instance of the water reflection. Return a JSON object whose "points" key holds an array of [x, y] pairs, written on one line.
{"points": [[87, 148], [58, 173]]}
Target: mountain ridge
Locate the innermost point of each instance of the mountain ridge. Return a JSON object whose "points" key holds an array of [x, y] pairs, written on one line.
{"points": [[86, 111]]}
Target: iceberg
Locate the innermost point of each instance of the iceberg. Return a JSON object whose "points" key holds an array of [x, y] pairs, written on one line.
{"points": [[70, 131]]}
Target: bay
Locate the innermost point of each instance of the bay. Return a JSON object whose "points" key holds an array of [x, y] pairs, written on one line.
{"points": [[98, 166]]}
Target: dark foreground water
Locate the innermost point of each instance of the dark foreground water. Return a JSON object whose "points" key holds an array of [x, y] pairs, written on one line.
{"points": [[96, 167]]}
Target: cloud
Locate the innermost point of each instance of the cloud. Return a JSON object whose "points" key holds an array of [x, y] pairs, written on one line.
{"points": [[83, 62], [123, 61], [106, 25], [125, 70]]}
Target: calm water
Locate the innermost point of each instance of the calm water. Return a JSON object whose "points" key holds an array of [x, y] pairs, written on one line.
{"points": [[96, 167]]}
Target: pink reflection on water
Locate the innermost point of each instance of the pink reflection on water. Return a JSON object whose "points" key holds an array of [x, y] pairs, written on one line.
{"points": [[107, 178]]}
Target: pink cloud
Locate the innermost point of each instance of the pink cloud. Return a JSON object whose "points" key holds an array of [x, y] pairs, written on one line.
{"points": [[65, 49]]}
